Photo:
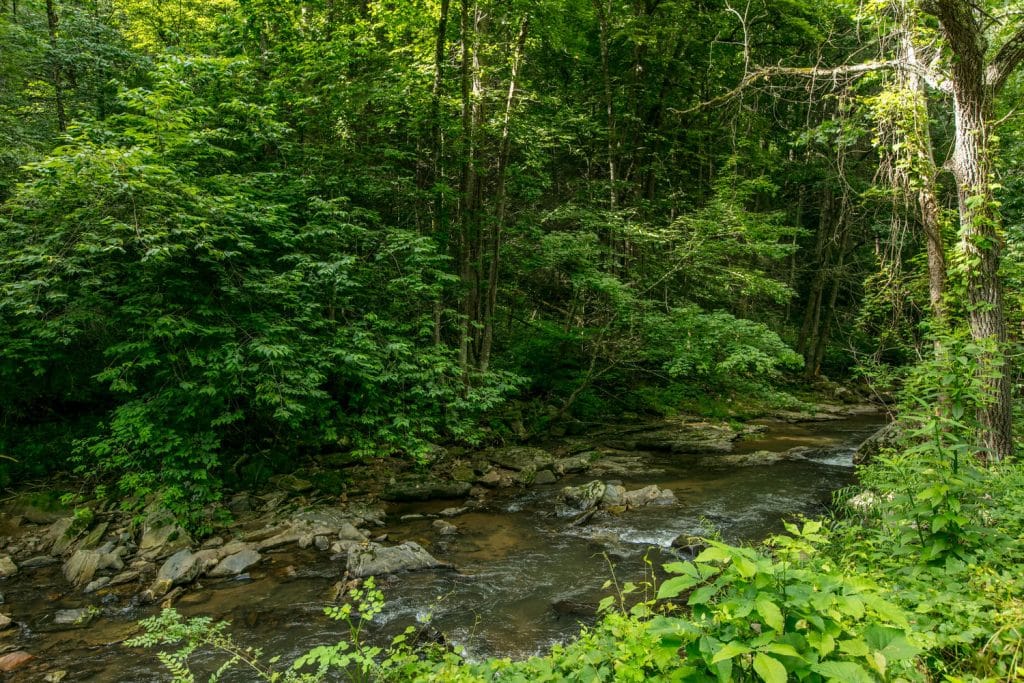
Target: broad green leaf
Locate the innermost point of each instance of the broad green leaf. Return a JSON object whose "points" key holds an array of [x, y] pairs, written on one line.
{"points": [[771, 613], [843, 672], [713, 554], [730, 650], [673, 587], [769, 669]]}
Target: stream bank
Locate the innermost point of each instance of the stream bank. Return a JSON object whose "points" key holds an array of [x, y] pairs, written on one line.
{"points": [[506, 567]]}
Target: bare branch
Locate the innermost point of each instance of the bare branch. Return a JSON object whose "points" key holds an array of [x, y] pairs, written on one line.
{"points": [[818, 73]]}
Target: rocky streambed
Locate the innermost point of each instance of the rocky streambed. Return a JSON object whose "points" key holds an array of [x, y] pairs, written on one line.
{"points": [[507, 548]]}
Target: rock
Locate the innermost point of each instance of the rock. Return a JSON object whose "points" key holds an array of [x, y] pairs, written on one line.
{"points": [[180, 568], [35, 509], [263, 534], [55, 676], [463, 472], [374, 559], [491, 479], [83, 565], [212, 542], [239, 503], [289, 535], [614, 495], [5, 622], [38, 561], [525, 476], [576, 463], [697, 438], [545, 477], [59, 537], [567, 607], [161, 535], [124, 577], [325, 521], [689, 546], [236, 564], [343, 547], [416, 487], [584, 496], [321, 542], [445, 528], [291, 483], [7, 567], [14, 660], [78, 618], [519, 458], [93, 538], [648, 495], [884, 438], [453, 512], [97, 584]]}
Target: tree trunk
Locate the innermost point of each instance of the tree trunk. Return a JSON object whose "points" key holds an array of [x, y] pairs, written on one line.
{"points": [[52, 21], [974, 85], [981, 242], [437, 150], [504, 151]]}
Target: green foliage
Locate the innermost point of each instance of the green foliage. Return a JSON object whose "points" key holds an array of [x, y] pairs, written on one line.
{"points": [[720, 350], [210, 310]]}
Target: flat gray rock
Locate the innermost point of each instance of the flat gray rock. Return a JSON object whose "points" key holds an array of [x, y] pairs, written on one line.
{"points": [[236, 564], [374, 559]]}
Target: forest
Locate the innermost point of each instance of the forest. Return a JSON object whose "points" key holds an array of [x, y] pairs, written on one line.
{"points": [[250, 245]]}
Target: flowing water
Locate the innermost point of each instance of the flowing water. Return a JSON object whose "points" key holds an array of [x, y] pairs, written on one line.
{"points": [[515, 558]]}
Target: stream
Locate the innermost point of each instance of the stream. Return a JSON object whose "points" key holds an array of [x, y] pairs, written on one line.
{"points": [[515, 558]]}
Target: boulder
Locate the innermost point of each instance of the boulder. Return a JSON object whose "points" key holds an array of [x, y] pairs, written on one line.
{"points": [[696, 438], [584, 496], [5, 622], [93, 538], [417, 487], [519, 458], [83, 565], [97, 584], [576, 463], [125, 577], [161, 534], [288, 535], [15, 660], [38, 561], [327, 521], [59, 536], [180, 568], [374, 559], [291, 483], [689, 546], [545, 477], [236, 564], [613, 495], [445, 528], [7, 567], [496, 478], [76, 618], [648, 495], [886, 437]]}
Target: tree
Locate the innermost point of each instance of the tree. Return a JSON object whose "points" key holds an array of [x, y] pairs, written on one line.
{"points": [[971, 60]]}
